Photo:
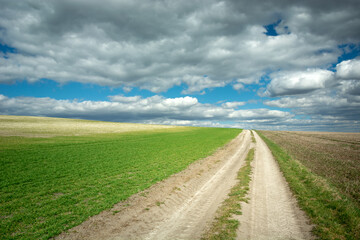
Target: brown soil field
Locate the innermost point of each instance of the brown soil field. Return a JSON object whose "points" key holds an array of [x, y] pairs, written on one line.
{"points": [[335, 156]]}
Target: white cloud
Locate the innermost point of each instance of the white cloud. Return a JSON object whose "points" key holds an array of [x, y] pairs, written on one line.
{"points": [[135, 108], [349, 69], [238, 86], [299, 82], [259, 114], [123, 99], [188, 111], [198, 83], [232, 104]]}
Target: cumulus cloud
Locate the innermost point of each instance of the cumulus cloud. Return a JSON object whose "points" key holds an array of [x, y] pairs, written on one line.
{"points": [[183, 110], [196, 45], [299, 82], [188, 111], [322, 104], [162, 44], [123, 99], [262, 114], [323, 98], [232, 104], [349, 69]]}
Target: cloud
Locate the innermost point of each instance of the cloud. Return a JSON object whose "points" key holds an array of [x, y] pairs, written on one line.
{"points": [[120, 108], [232, 104], [122, 99], [350, 89], [189, 112], [162, 44], [196, 46], [262, 114], [299, 82], [238, 86], [198, 83], [322, 105], [319, 97], [349, 69]]}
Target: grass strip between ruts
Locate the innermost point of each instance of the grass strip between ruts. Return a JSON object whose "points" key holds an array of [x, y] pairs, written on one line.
{"points": [[224, 225], [334, 215]]}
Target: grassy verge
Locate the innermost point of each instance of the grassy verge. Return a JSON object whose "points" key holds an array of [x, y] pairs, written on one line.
{"points": [[334, 214], [225, 226], [48, 185], [333, 156]]}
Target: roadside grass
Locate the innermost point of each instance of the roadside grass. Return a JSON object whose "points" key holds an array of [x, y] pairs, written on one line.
{"points": [[335, 215], [48, 185], [224, 225], [334, 156]]}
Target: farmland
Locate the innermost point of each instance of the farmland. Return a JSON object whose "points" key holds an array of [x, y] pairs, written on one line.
{"points": [[334, 156], [324, 173], [53, 178]]}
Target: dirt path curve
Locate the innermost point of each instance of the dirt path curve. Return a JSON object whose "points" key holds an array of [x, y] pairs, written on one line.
{"points": [[272, 212], [179, 207]]}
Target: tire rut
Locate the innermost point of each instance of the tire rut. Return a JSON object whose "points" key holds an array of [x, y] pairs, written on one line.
{"points": [[177, 208], [272, 212]]}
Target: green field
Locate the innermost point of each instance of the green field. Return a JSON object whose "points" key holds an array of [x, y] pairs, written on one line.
{"points": [[50, 184]]}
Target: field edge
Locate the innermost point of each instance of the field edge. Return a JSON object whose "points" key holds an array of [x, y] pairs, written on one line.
{"points": [[333, 214]]}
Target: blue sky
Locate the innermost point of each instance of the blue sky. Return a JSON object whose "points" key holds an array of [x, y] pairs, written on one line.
{"points": [[205, 63]]}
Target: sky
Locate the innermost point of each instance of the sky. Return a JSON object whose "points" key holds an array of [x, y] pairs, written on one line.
{"points": [[276, 65]]}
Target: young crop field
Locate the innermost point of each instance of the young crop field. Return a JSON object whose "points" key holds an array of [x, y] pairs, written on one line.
{"points": [[52, 180], [323, 171]]}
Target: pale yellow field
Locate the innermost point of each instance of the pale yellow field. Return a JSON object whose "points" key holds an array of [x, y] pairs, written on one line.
{"points": [[48, 127]]}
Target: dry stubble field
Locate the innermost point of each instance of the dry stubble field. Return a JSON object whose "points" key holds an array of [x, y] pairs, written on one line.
{"points": [[323, 172], [334, 156]]}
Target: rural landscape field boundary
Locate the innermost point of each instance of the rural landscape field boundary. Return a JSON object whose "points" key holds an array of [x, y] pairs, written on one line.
{"points": [[179, 207], [128, 181], [334, 215], [50, 184]]}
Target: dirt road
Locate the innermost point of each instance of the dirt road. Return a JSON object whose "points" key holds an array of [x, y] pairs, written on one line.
{"points": [[177, 208], [272, 212], [182, 206]]}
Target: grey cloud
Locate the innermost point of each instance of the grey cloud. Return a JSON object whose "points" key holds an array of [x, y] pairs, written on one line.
{"points": [[120, 108], [188, 111], [319, 93], [323, 104], [160, 44], [351, 87]]}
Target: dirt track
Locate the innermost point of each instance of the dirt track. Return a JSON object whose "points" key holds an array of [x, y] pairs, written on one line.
{"points": [[272, 212], [177, 208], [182, 206]]}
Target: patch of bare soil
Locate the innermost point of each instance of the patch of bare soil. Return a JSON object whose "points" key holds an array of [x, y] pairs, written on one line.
{"points": [[272, 212], [179, 207], [334, 156]]}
